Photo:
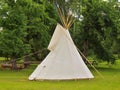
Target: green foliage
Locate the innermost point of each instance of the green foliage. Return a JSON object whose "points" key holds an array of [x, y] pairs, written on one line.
{"points": [[12, 45], [12, 37], [100, 23], [25, 26], [29, 24], [39, 21], [116, 43]]}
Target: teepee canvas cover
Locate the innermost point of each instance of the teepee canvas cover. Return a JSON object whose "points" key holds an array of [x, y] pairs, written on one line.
{"points": [[63, 62]]}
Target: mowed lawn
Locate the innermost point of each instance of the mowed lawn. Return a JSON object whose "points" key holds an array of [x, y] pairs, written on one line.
{"points": [[18, 80]]}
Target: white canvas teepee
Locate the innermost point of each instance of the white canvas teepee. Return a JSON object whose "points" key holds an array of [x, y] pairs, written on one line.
{"points": [[63, 62]]}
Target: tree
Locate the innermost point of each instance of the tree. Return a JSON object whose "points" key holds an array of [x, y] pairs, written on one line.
{"points": [[12, 43], [100, 20], [25, 22], [39, 23], [116, 42]]}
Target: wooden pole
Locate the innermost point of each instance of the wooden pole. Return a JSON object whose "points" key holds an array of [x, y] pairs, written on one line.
{"points": [[89, 63]]}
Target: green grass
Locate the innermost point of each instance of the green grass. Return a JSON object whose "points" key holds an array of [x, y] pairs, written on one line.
{"points": [[2, 58], [18, 80]]}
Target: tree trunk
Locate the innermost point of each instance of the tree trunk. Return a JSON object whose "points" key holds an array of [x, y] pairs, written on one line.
{"points": [[86, 48], [14, 64], [36, 56], [26, 61]]}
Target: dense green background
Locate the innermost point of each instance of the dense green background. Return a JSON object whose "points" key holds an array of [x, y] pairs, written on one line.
{"points": [[29, 24]]}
